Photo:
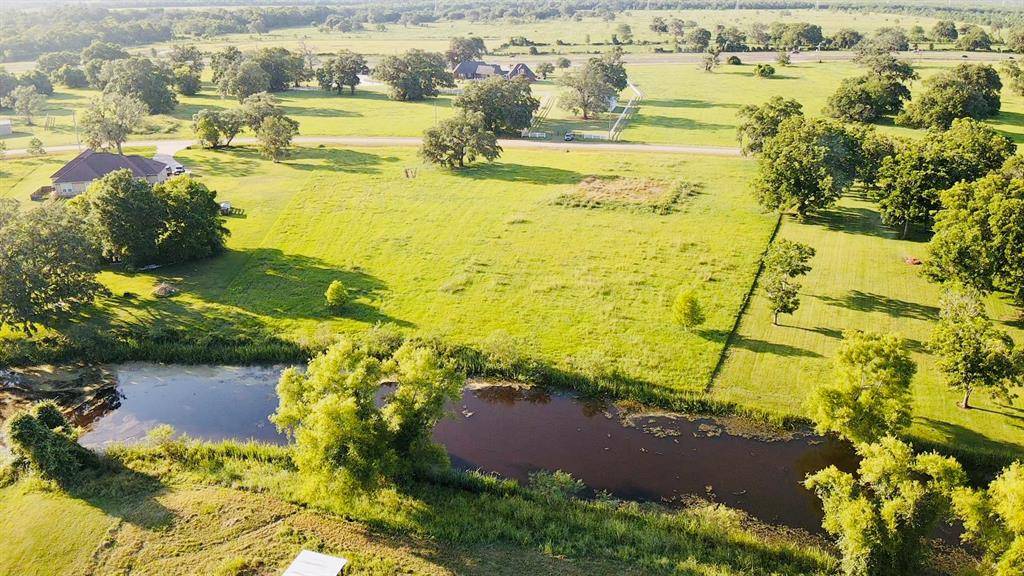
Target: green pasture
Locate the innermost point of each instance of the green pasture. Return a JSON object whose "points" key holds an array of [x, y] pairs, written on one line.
{"points": [[470, 256]]}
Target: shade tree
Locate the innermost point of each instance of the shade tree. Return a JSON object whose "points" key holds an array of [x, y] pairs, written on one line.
{"points": [[909, 182], [27, 102], [342, 433], [506, 105], [463, 49], [587, 92], [993, 520], [108, 120], [979, 235], [761, 122], [460, 139], [972, 353], [414, 75], [966, 91], [274, 137], [48, 265], [216, 128], [868, 397], [341, 71], [806, 166], [143, 79]]}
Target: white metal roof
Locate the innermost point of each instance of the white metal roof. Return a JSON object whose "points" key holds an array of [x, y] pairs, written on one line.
{"points": [[315, 564]]}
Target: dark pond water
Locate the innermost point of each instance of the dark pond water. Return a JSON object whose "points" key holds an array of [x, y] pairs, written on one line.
{"points": [[508, 431]]}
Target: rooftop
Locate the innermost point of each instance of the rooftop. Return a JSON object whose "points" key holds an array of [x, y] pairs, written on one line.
{"points": [[90, 165]]}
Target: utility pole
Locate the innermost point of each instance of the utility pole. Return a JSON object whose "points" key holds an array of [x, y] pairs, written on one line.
{"points": [[74, 120]]}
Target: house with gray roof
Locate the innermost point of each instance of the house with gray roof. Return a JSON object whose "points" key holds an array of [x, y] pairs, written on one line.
{"points": [[473, 70], [76, 176]]}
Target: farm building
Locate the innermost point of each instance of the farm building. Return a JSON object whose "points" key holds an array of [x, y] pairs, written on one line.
{"points": [[76, 176], [473, 70]]}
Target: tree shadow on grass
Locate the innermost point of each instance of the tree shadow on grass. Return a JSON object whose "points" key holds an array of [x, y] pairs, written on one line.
{"points": [[322, 112], [852, 220], [230, 161], [833, 333], [123, 493], [871, 302], [970, 440], [685, 103], [658, 121], [337, 160], [775, 348], [268, 282], [519, 173]]}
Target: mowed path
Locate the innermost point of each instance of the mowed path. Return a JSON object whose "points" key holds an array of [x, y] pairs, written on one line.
{"points": [[171, 147]]}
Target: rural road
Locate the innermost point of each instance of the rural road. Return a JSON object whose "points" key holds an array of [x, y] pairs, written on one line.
{"points": [[168, 148]]}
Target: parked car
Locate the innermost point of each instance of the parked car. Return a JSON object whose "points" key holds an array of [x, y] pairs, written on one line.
{"points": [[179, 169], [569, 137]]}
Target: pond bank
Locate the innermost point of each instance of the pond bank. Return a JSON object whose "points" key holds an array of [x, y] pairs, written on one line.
{"points": [[511, 430]]}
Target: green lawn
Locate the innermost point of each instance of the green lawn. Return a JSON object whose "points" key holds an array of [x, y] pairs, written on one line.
{"points": [[860, 281], [467, 255]]}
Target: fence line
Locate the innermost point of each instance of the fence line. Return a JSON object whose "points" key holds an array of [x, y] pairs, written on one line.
{"points": [[627, 112]]}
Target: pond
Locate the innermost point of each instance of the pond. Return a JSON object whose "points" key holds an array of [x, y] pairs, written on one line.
{"points": [[508, 430]]}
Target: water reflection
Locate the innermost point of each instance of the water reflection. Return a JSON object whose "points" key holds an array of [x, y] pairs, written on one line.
{"points": [[507, 430]]}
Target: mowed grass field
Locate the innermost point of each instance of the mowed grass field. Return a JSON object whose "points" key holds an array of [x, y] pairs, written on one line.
{"points": [[860, 281], [469, 256]]}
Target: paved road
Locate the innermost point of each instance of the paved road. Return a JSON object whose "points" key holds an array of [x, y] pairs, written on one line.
{"points": [[168, 148]]}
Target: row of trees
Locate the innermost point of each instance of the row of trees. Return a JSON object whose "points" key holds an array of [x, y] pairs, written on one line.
{"points": [[261, 113]]}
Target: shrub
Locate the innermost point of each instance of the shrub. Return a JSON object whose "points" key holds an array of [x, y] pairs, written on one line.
{"points": [[687, 311], [764, 70], [733, 61], [35, 147], [336, 295], [557, 485], [44, 438]]}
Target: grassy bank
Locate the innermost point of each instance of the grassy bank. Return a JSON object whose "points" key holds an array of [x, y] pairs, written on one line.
{"points": [[186, 509]]}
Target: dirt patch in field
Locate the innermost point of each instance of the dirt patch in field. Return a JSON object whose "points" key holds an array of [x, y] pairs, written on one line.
{"points": [[632, 190], [647, 194]]}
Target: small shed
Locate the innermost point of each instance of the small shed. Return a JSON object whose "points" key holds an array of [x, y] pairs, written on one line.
{"points": [[309, 563], [5, 127]]}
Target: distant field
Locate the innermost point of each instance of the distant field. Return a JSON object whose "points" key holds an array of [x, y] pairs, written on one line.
{"points": [[683, 105], [860, 281], [585, 35], [465, 255]]}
